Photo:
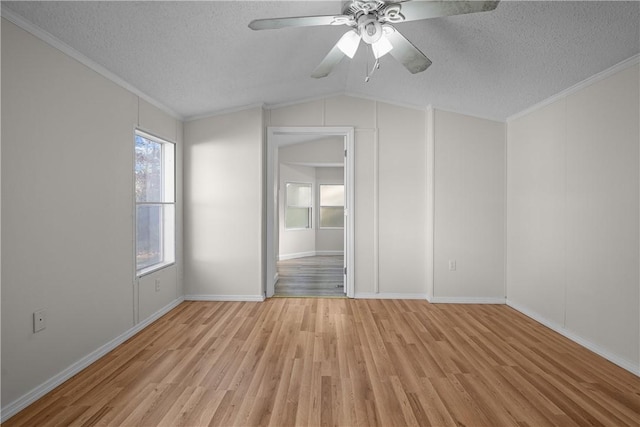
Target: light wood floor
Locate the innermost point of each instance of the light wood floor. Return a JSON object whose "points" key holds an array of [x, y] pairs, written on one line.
{"points": [[311, 276], [291, 361]]}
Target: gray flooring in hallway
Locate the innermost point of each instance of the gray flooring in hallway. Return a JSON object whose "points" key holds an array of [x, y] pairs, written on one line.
{"points": [[317, 276]]}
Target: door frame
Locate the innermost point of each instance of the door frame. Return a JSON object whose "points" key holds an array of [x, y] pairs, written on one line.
{"points": [[275, 136]]}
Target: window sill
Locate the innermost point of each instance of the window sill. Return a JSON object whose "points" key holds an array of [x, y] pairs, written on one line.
{"points": [[153, 268]]}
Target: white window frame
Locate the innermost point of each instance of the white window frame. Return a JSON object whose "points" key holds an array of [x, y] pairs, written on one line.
{"points": [[310, 207], [168, 249], [320, 206]]}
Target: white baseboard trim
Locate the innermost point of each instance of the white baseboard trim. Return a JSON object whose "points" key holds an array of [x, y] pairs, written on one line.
{"points": [[27, 399], [250, 298], [466, 300], [384, 295], [285, 257], [625, 364]]}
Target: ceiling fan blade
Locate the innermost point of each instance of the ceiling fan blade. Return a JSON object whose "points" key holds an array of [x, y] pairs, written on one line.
{"points": [[334, 56], [297, 21], [416, 9], [406, 53]]}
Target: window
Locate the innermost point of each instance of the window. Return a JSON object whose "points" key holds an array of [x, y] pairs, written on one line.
{"points": [[155, 203], [298, 206], [331, 206]]}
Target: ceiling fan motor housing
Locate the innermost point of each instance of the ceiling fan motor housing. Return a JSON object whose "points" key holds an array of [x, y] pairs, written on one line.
{"points": [[369, 16], [369, 28]]}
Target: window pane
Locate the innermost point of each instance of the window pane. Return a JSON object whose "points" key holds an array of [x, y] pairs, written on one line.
{"points": [[298, 194], [168, 172], [149, 182], [332, 217], [169, 233], [297, 217], [148, 235], [331, 195], [155, 202]]}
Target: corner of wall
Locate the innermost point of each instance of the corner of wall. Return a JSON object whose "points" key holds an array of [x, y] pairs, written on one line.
{"points": [[430, 133]]}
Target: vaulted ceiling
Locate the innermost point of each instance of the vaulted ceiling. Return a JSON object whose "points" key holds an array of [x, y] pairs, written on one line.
{"points": [[197, 58]]}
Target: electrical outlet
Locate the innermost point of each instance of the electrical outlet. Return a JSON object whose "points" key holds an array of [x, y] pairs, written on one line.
{"points": [[452, 265], [157, 285], [39, 320]]}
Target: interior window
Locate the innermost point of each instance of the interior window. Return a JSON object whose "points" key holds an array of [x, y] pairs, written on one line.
{"points": [[331, 206], [298, 206]]}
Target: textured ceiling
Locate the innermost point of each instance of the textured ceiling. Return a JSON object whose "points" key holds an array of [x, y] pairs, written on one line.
{"points": [[199, 57]]}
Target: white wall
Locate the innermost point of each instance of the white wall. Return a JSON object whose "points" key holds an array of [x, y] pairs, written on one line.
{"points": [[224, 206], [469, 208], [390, 175], [402, 199], [299, 242], [327, 150], [67, 214], [573, 216], [328, 241], [536, 212], [430, 226]]}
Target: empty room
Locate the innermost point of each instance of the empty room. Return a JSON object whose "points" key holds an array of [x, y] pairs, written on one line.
{"points": [[300, 213]]}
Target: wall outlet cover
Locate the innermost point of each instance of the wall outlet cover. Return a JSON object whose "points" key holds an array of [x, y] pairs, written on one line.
{"points": [[39, 320]]}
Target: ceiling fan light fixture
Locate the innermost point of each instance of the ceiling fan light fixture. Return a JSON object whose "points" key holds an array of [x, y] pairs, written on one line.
{"points": [[349, 43], [371, 22], [381, 47]]}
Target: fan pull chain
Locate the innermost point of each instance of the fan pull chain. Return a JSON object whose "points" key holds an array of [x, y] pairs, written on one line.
{"points": [[376, 66]]}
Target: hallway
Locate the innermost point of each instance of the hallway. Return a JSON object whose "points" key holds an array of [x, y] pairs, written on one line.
{"points": [[311, 276]]}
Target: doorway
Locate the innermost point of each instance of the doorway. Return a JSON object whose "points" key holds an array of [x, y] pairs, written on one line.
{"points": [[304, 198]]}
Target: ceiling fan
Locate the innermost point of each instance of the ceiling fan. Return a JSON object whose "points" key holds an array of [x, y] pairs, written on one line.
{"points": [[371, 21]]}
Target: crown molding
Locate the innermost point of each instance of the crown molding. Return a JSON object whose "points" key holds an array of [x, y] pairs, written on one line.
{"points": [[58, 44], [623, 65], [302, 100], [386, 101], [475, 116], [225, 111], [345, 93]]}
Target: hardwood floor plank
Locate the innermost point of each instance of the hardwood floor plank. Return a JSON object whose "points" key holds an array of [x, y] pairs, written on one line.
{"points": [[340, 362]]}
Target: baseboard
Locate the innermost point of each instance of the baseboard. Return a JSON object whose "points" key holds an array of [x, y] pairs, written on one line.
{"points": [[625, 364], [466, 300], [285, 257], [27, 399], [384, 295], [250, 298]]}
